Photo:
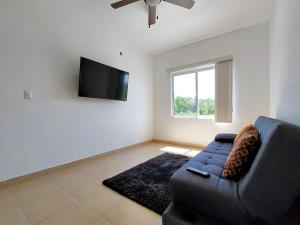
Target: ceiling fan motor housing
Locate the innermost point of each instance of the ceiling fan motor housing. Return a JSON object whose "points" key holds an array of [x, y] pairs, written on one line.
{"points": [[152, 2]]}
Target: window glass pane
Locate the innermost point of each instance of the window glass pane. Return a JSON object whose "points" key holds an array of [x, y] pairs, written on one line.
{"points": [[206, 94], [185, 95]]}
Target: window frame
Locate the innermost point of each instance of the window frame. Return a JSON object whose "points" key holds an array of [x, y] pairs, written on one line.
{"points": [[195, 70]]}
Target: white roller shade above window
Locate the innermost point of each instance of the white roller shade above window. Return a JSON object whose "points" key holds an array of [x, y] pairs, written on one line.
{"points": [[224, 108]]}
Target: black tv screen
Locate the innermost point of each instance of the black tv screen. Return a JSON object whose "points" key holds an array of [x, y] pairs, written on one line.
{"points": [[97, 80]]}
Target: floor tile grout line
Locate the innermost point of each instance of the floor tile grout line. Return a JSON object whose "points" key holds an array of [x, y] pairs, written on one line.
{"points": [[58, 212], [55, 213], [90, 209], [84, 205], [64, 208], [18, 208], [31, 201]]}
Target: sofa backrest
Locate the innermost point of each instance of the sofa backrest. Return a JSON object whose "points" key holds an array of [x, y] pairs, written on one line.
{"points": [[273, 182]]}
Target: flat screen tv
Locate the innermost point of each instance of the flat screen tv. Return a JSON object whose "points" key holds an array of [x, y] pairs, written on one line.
{"points": [[97, 80]]}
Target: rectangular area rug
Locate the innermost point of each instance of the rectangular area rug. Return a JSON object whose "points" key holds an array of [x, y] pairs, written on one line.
{"points": [[148, 183]]}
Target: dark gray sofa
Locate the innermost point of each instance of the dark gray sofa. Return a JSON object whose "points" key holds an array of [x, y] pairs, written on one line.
{"points": [[262, 196]]}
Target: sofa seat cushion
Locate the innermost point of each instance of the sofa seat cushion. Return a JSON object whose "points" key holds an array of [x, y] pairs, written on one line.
{"points": [[219, 148], [211, 196], [209, 162], [212, 159]]}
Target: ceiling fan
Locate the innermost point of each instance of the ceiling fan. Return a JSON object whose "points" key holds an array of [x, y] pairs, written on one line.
{"points": [[152, 4]]}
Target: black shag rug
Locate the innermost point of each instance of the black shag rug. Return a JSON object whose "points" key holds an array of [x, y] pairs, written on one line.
{"points": [[148, 183]]}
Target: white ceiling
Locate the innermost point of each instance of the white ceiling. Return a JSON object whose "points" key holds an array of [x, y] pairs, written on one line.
{"points": [[178, 26]]}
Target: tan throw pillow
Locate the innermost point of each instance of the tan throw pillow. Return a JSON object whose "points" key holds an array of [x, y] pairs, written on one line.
{"points": [[243, 131], [242, 155]]}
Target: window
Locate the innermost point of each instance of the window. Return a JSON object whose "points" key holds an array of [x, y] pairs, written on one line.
{"points": [[194, 93], [204, 92]]}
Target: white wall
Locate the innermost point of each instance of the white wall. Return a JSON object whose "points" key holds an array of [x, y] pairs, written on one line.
{"points": [[285, 61], [40, 46], [250, 48]]}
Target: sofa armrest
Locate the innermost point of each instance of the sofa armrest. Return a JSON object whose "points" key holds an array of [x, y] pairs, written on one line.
{"points": [[225, 138]]}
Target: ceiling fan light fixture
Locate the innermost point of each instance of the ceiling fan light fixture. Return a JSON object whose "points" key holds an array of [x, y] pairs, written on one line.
{"points": [[152, 2]]}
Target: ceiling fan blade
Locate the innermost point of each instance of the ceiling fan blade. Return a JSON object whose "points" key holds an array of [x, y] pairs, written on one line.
{"points": [[122, 3], [188, 4], [152, 15]]}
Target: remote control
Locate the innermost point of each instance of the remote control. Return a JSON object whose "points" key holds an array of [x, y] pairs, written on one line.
{"points": [[198, 172]]}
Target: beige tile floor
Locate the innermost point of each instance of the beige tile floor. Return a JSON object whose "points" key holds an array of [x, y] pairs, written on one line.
{"points": [[76, 196]]}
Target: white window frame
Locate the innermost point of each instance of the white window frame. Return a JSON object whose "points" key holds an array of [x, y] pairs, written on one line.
{"points": [[195, 70]]}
